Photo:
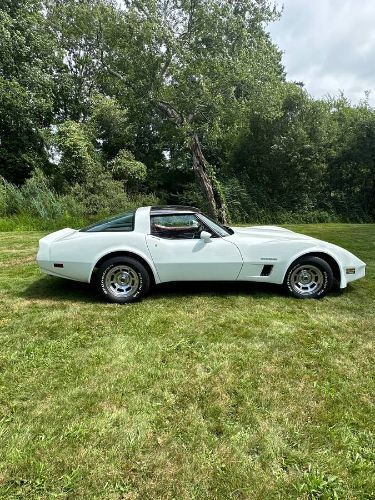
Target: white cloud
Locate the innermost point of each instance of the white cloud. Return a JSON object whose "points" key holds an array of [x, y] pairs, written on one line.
{"points": [[329, 45]]}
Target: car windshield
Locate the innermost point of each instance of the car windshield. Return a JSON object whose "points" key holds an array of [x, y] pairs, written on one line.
{"points": [[215, 226], [121, 223]]}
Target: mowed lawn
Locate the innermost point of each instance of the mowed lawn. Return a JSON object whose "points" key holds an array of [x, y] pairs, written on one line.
{"points": [[199, 391]]}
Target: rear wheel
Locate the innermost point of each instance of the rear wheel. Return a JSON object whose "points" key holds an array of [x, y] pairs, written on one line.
{"points": [[122, 280], [309, 278]]}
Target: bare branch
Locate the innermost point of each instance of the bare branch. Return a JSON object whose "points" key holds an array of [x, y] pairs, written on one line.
{"points": [[166, 64], [170, 111], [191, 15]]}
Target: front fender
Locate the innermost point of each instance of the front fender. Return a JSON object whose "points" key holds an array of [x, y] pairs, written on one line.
{"points": [[319, 250]]}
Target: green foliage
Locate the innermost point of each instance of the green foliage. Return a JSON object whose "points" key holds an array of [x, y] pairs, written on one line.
{"points": [[34, 198], [351, 164], [302, 161], [105, 100], [218, 57], [27, 57], [74, 25], [24, 222], [79, 158], [99, 192], [201, 65], [125, 168], [36, 205], [3, 197], [110, 126], [320, 485]]}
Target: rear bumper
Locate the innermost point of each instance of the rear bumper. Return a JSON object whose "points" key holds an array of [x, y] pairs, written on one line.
{"points": [[77, 271], [51, 264]]}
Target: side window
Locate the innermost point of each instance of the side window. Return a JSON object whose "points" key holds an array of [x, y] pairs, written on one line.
{"points": [[184, 226], [120, 223]]}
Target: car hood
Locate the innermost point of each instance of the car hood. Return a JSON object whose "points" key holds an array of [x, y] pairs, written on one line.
{"points": [[269, 233]]}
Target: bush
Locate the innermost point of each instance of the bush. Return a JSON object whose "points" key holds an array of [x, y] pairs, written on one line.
{"points": [[78, 155], [125, 168], [35, 205], [3, 198], [35, 198], [99, 193], [141, 200]]}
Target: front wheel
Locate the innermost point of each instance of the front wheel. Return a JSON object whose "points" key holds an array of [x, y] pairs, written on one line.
{"points": [[122, 280], [309, 278]]}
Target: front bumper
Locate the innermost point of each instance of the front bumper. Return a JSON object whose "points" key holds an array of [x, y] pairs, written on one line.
{"points": [[359, 272]]}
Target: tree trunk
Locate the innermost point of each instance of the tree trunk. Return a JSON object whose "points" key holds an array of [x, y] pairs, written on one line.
{"points": [[209, 185], [203, 172]]}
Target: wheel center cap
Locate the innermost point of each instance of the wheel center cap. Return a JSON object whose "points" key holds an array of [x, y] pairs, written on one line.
{"points": [[124, 278], [305, 277]]}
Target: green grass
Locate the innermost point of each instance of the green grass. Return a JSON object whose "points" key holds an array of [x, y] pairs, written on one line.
{"points": [[195, 392], [24, 222]]}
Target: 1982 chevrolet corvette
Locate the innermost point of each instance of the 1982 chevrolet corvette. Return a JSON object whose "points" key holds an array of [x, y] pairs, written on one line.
{"points": [[126, 254]]}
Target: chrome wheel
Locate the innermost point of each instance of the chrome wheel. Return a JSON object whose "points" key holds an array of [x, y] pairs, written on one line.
{"points": [[122, 281], [306, 279]]}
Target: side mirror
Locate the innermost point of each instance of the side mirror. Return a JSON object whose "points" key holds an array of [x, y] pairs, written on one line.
{"points": [[205, 236]]}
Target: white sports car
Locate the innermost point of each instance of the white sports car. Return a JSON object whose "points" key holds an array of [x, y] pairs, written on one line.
{"points": [[125, 255]]}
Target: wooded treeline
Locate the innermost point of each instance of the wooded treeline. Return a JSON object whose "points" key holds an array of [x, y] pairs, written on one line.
{"points": [[106, 105]]}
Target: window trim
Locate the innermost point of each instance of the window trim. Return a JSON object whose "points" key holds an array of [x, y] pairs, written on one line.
{"points": [[176, 214], [229, 231], [91, 227]]}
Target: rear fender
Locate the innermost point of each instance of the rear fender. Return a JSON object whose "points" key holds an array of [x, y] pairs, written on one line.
{"points": [[128, 251]]}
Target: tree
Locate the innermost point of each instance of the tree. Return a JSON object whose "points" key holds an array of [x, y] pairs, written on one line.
{"points": [[110, 126], [77, 72], [80, 170], [281, 160], [200, 63], [27, 58], [77, 157], [351, 159]]}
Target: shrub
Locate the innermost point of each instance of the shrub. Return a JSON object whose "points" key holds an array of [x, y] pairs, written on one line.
{"points": [[141, 200], [125, 168], [78, 157], [35, 198], [35, 205], [99, 193], [3, 198]]}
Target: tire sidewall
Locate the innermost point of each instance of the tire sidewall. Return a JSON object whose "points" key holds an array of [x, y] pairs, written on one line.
{"points": [[325, 270], [136, 267]]}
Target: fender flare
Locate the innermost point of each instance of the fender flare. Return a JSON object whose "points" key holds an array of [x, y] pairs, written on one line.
{"points": [[318, 250], [135, 254]]}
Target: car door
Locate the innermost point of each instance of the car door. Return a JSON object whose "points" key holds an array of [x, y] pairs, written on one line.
{"points": [[179, 254]]}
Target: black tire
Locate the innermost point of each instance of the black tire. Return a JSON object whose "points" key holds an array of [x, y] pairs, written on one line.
{"points": [[309, 278], [122, 268]]}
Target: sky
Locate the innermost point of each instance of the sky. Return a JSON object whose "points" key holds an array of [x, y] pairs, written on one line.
{"points": [[329, 45]]}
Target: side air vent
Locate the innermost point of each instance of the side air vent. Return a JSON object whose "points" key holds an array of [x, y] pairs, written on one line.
{"points": [[266, 271]]}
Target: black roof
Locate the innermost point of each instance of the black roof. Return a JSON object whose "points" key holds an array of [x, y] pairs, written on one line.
{"points": [[169, 209]]}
